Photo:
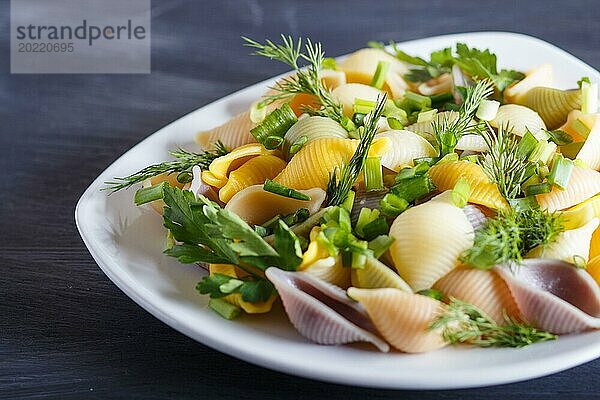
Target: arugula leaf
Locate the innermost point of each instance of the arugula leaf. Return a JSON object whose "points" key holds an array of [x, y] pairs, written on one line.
{"points": [[253, 290]]}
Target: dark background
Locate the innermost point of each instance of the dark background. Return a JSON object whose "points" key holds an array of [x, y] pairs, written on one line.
{"points": [[65, 330]]}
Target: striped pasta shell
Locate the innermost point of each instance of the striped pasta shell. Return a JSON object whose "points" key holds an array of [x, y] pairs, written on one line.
{"points": [[256, 206], [471, 142], [330, 270], [519, 119], [221, 166], [361, 65], [590, 151], [346, 94], [312, 128], [572, 246], [375, 275], [484, 289], [252, 172], [405, 147], [233, 133], [538, 76], [483, 191], [403, 319], [584, 183], [429, 238], [582, 213], [236, 298], [313, 165], [553, 105]]}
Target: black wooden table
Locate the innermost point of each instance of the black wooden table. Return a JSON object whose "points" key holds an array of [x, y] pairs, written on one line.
{"points": [[65, 330]]}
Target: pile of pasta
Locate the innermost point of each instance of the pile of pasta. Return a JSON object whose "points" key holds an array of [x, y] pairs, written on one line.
{"points": [[387, 300]]}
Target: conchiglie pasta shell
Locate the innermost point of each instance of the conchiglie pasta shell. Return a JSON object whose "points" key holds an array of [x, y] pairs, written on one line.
{"points": [[236, 298], [483, 191], [593, 268], [576, 116], [582, 213], [553, 105], [590, 151], [332, 79], [233, 133], [571, 246], [584, 183], [441, 84], [519, 119], [429, 239], [221, 166], [252, 172], [405, 147], [313, 165], [256, 206], [538, 76], [375, 275], [425, 129], [312, 128], [346, 94], [484, 289], [595, 244], [403, 319], [330, 270], [361, 65], [472, 142]]}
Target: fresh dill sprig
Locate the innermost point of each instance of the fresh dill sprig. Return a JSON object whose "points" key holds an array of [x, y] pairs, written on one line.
{"points": [[338, 189], [183, 163], [511, 235], [448, 131], [502, 162], [465, 323], [306, 80]]}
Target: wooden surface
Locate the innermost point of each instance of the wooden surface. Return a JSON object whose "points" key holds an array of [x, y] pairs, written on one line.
{"points": [[65, 330]]}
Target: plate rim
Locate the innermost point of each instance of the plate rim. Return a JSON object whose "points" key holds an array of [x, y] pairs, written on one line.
{"points": [[140, 294]]}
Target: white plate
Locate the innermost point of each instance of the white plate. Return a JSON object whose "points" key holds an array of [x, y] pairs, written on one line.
{"points": [[126, 242]]}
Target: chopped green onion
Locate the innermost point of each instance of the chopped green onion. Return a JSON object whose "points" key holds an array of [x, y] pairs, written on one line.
{"points": [[258, 112], [380, 245], [298, 144], [532, 180], [448, 158], [393, 205], [426, 160], [537, 188], [589, 97], [358, 119], [349, 201], [329, 63], [560, 174], [395, 123], [581, 128], [347, 124], [261, 230], [278, 188], [543, 152], [474, 158], [365, 217], [438, 99], [487, 110], [523, 203], [433, 293], [375, 228], [391, 110], [559, 137], [526, 145], [224, 309], [461, 192], [543, 171], [571, 150], [373, 174], [185, 177], [362, 106], [405, 173], [359, 260], [149, 194], [380, 74], [296, 217], [426, 116], [413, 188], [271, 130], [418, 101]]}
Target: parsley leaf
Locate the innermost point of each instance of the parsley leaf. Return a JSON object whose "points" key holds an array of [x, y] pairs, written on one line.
{"points": [[253, 290]]}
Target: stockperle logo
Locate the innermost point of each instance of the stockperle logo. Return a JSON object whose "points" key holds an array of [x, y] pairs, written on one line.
{"points": [[80, 36]]}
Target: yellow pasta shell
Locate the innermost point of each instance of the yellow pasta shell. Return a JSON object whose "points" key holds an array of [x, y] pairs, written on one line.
{"points": [[376, 274], [582, 213], [236, 298], [571, 246], [221, 166], [403, 319], [405, 147], [233, 133], [483, 192], [484, 289], [313, 165], [538, 76], [429, 239], [252, 172], [256, 206], [584, 183], [553, 105], [312, 128], [595, 244], [346, 94], [590, 151], [519, 119], [317, 261], [593, 268]]}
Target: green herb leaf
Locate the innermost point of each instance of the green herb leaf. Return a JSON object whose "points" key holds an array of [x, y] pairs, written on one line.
{"points": [[252, 289]]}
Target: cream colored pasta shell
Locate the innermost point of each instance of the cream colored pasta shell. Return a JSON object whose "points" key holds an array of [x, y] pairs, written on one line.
{"points": [[405, 147], [403, 319], [376, 274], [553, 105], [572, 246], [346, 94], [519, 119], [330, 270], [425, 129], [429, 239], [590, 151], [584, 183], [484, 289], [256, 206], [233, 133], [472, 142], [538, 76], [312, 128]]}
